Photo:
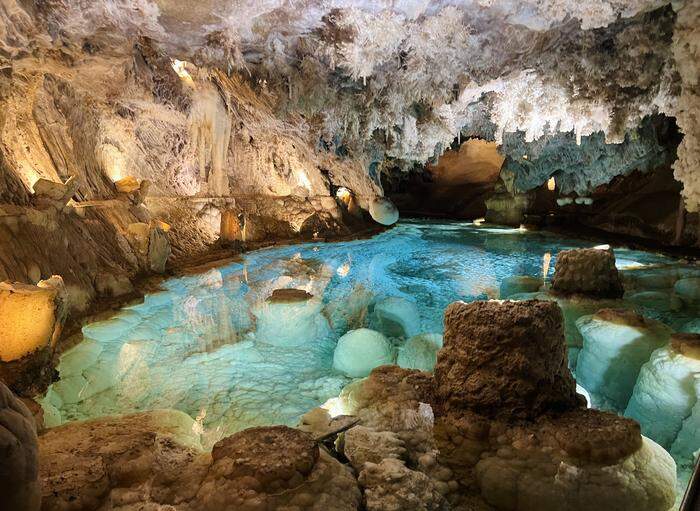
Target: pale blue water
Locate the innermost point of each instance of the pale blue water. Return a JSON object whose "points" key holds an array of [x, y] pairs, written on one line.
{"points": [[196, 347]]}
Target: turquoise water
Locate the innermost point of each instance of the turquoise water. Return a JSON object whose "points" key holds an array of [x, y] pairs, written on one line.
{"points": [[211, 346]]}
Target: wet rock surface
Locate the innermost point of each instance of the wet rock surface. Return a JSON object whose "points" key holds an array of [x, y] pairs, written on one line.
{"points": [[587, 271]]}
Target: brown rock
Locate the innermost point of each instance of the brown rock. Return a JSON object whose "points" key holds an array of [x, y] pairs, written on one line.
{"points": [[504, 359], [289, 296], [271, 455], [686, 344], [587, 271], [19, 463], [594, 436]]}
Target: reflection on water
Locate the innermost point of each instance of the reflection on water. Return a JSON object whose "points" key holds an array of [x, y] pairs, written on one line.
{"points": [[213, 346]]}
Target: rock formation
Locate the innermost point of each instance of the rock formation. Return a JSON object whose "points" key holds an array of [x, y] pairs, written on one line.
{"points": [[499, 424], [19, 469], [155, 459], [616, 343], [587, 271]]}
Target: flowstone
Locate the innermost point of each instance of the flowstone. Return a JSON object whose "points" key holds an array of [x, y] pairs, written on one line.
{"points": [[666, 392], [616, 343], [420, 352], [359, 351]]}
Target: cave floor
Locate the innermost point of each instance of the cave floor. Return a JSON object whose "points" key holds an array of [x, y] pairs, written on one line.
{"points": [[211, 344]]}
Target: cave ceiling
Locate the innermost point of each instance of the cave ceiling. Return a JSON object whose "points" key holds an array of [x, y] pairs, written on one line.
{"points": [[399, 81]]}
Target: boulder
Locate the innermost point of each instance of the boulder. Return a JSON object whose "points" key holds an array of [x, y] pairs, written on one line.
{"points": [[587, 271], [616, 343], [359, 351], [504, 359], [19, 465], [275, 467], [383, 211], [519, 284]]}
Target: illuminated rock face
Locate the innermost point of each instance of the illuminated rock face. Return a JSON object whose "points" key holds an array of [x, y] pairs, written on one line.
{"points": [[31, 317], [19, 469], [156, 459], [587, 271], [616, 343]]}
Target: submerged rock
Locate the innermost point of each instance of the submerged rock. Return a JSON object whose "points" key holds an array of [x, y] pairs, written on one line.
{"points": [[688, 290], [396, 317], [616, 343], [519, 284], [587, 271], [420, 352], [360, 351], [19, 466], [291, 317]]}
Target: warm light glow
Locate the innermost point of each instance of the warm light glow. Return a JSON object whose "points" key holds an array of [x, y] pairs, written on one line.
{"points": [[304, 180], [479, 221], [179, 66], [343, 270], [343, 194], [551, 184], [602, 247], [334, 406], [546, 260]]}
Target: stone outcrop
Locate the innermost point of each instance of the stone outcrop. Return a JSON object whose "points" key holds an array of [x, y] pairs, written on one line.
{"points": [[499, 425], [587, 271], [514, 453], [154, 460], [19, 468], [504, 360], [31, 321]]}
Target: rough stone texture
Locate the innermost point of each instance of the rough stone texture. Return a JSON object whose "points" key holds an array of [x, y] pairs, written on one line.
{"points": [[504, 359], [19, 468], [390, 485], [364, 445], [154, 460], [587, 271]]}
